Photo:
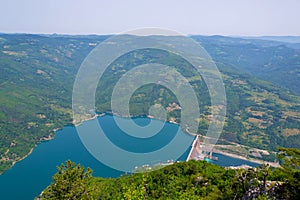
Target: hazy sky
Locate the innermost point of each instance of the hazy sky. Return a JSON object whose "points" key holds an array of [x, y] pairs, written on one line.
{"points": [[207, 17]]}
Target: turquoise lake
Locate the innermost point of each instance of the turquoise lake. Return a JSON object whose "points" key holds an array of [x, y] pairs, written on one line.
{"points": [[30, 176]]}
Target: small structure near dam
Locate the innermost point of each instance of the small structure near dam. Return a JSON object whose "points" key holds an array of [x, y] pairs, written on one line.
{"points": [[197, 152]]}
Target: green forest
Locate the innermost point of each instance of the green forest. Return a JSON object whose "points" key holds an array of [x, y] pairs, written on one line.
{"points": [[37, 74], [184, 180]]}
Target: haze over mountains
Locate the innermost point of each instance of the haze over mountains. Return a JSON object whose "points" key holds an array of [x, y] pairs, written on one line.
{"points": [[262, 79]]}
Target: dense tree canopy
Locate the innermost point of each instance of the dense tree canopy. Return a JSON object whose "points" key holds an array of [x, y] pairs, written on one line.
{"points": [[184, 180], [70, 182]]}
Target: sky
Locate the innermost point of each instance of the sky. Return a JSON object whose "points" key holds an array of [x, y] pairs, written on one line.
{"points": [[205, 17]]}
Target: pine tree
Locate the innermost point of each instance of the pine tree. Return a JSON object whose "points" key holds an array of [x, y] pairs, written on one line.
{"points": [[70, 182]]}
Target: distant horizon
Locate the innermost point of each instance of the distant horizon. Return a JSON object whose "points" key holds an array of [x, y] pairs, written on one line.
{"points": [[100, 34], [254, 18]]}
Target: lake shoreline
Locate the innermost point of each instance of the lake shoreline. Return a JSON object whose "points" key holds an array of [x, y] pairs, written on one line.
{"points": [[258, 161], [15, 161], [75, 124], [272, 164], [33, 174]]}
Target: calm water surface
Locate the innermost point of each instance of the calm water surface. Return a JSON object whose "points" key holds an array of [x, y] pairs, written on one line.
{"points": [[30, 176]]}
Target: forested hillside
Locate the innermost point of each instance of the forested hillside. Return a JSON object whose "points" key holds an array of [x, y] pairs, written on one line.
{"points": [[186, 180], [269, 60], [37, 74], [36, 78]]}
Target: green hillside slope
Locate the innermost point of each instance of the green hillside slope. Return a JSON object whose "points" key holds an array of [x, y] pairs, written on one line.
{"points": [[273, 61], [185, 180], [37, 74]]}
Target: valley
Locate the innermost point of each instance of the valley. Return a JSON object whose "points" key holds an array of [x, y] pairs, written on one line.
{"points": [[37, 72]]}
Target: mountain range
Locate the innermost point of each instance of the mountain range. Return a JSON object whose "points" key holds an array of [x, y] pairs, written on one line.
{"points": [[37, 72]]}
